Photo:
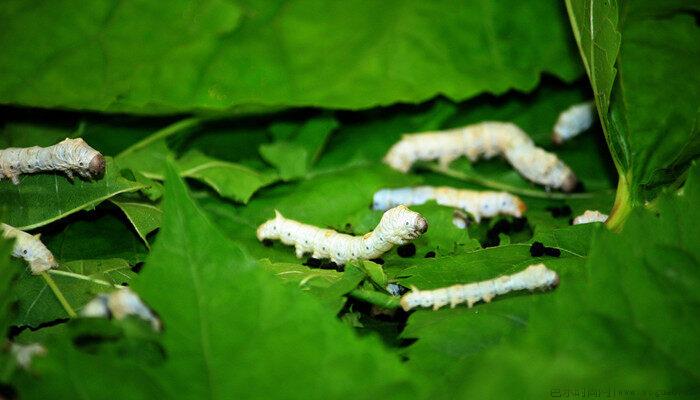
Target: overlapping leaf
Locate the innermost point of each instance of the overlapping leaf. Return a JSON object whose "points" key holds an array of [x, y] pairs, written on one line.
{"points": [[234, 181], [641, 57], [144, 216], [31, 204], [297, 148]]}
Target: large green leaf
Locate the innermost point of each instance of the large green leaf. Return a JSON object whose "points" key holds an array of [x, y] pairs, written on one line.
{"points": [[92, 358], [641, 58], [622, 320], [40, 199], [219, 55], [221, 312]]}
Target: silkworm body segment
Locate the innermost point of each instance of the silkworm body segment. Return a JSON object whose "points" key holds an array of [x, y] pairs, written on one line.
{"points": [[30, 249], [486, 139], [120, 304], [25, 353], [398, 226], [590, 216], [479, 204], [533, 277], [572, 121], [71, 156]]}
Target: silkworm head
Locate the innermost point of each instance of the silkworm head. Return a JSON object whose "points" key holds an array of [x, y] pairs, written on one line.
{"points": [[42, 261], [410, 300], [547, 277], [270, 228], [511, 205], [407, 224], [96, 168], [570, 181]]}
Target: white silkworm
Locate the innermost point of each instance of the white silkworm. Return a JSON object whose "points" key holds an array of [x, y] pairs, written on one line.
{"points": [[30, 249], [531, 278], [479, 204], [69, 156], [393, 289], [398, 226], [24, 353], [572, 121], [590, 216], [120, 304], [486, 139]]}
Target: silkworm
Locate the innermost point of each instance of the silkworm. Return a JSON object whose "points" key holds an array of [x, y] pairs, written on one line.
{"points": [[120, 304], [486, 139], [30, 249], [572, 121], [590, 216], [69, 156], [398, 226], [25, 353], [531, 278], [479, 204]]}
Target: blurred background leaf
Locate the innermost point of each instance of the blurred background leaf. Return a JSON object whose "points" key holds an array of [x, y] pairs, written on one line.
{"points": [[256, 55]]}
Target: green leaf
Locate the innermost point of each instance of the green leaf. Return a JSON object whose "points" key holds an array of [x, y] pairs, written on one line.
{"points": [[103, 234], [647, 92], [206, 277], [329, 286], [375, 272], [595, 26], [290, 159], [144, 217], [40, 199], [88, 357], [8, 275], [79, 281], [220, 55], [444, 237], [231, 180], [148, 156], [477, 265], [234, 181], [296, 150]]}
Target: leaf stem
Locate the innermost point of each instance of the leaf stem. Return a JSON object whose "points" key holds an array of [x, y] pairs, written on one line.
{"points": [[622, 207], [57, 292], [377, 298], [177, 127], [504, 187], [84, 278]]}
